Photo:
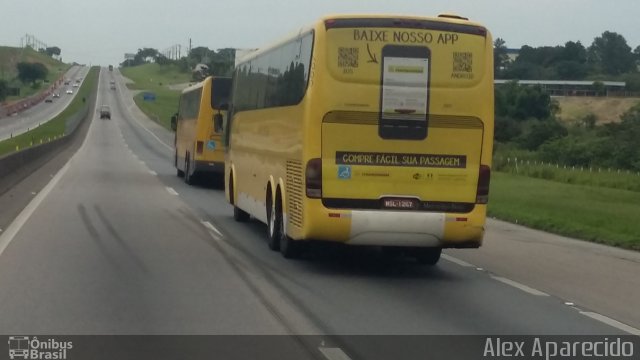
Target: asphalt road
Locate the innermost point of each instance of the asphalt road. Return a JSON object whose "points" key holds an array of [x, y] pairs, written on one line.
{"points": [[117, 244], [42, 112]]}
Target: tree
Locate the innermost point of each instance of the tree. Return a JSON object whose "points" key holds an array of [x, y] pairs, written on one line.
{"points": [[4, 90], [574, 51], [542, 132], [611, 54], [200, 55], [599, 88], [31, 72], [54, 50], [500, 57], [571, 70], [523, 102], [222, 62]]}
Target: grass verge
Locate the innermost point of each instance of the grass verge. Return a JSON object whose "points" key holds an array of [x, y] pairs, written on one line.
{"points": [[56, 126], [158, 80], [600, 177], [603, 215]]}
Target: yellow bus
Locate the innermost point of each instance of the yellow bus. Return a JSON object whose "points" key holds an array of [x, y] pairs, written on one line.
{"points": [[366, 130], [198, 127]]}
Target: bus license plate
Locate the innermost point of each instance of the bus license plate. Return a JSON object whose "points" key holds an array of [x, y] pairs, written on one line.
{"points": [[400, 203]]}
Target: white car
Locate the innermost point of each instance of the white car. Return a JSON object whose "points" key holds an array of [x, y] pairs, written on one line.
{"points": [[69, 91]]}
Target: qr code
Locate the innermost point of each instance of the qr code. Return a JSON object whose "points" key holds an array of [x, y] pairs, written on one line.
{"points": [[462, 62], [348, 57]]}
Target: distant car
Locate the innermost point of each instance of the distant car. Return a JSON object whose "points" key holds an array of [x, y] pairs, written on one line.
{"points": [[76, 85], [56, 95], [105, 112], [48, 100], [69, 91], [112, 85]]}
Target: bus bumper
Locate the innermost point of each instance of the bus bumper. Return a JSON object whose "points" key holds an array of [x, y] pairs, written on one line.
{"points": [[398, 228], [203, 166]]}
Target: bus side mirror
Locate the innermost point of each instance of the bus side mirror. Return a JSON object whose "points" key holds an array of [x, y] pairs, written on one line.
{"points": [[174, 122], [217, 122]]}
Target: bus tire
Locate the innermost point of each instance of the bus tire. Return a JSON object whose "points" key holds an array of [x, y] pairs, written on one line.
{"points": [[289, 248], [179, 172], [273, 225], [239, 215], [427, 255], [188, 176]]}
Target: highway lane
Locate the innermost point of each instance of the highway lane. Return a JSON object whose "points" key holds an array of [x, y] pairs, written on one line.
{"points": [[153, 145], [109, 250], [120, 245], [42, 112]]}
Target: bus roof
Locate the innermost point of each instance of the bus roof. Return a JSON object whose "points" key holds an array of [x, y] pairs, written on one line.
{"points": [[200, 84], [442, 18]]}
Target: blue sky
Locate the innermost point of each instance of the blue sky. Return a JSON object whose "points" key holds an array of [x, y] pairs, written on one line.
{"points": [[101, 32]]}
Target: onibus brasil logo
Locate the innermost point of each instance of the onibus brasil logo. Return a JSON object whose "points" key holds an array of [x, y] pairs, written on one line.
{"points": [[25, 347]]}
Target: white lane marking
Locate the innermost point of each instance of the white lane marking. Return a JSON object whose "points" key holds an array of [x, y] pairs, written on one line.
{"points": [[135, 119], [611, 322], [26, 213], [210, 226], [153, 173], [171, 191], [17, 224], [522, 287], [334, 353], [456, 261]]}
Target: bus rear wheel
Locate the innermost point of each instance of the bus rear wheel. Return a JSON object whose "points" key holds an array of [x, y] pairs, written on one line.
{"points": [[273, 223], [427, 256], [289, 248], [188, 176], [239, 215], [179, 172]]}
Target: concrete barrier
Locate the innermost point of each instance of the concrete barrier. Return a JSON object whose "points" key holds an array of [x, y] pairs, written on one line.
{"points": [[14, 167]]}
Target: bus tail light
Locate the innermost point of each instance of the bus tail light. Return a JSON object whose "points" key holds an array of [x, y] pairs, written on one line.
{"points": [[313, 178], [482, 196], [199, 147]]}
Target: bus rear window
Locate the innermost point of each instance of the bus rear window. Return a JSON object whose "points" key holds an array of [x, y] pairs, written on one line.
{"points": [[220, 92]]}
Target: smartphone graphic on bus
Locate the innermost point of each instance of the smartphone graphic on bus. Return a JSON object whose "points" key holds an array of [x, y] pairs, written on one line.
{"points": [[404, 92]]}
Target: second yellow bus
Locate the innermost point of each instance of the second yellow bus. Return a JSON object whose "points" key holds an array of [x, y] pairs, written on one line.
{"points": [[198, 127]]}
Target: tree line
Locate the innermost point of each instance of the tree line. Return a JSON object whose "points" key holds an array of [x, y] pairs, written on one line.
{"points": [[609, 57], [218, 63], [528, 122]]}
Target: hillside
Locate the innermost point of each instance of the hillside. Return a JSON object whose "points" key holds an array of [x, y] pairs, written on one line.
{"points": [[607, 109], [11, 56], [164, 81]]}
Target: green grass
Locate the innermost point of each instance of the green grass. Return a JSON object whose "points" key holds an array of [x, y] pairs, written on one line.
{"points": [[10, 56], [599, 177], [56, 127], [603, 215], [156, 79]]}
